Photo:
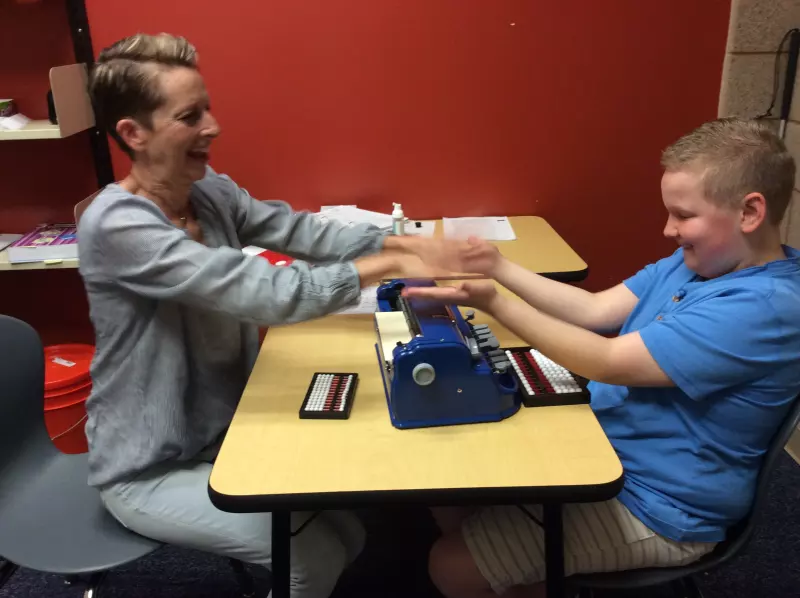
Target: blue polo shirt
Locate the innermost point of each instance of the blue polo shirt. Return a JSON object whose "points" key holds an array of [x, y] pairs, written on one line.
{"points": [[731, 345]]}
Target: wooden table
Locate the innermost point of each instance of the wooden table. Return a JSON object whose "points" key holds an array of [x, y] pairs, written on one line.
{"points": [[539, 247], [271, 460]]}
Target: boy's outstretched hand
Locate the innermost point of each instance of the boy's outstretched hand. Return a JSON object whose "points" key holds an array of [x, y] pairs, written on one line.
{"points": [[481, 295], [480, 256]]}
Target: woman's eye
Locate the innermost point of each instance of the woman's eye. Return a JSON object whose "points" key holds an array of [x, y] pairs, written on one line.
{"points": [[190, 118]]}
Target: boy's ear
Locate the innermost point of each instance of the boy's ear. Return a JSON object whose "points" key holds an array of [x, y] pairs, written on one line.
{"points": [[132, 133], [754, 212]]}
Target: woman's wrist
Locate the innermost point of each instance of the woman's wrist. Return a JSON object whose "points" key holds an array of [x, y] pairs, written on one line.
{"points": [[373, 268], [402, 243]]}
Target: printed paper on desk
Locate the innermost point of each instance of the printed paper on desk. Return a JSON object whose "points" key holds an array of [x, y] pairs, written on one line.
{"points": [[353, 215], [491, 228], [328, 208], [367, 303]]}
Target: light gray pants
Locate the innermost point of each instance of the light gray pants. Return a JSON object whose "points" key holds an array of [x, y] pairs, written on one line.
{"points": [[170, 503]]}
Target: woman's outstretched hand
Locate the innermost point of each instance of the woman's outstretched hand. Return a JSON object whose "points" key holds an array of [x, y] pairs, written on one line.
{"points": [[472, 257]]}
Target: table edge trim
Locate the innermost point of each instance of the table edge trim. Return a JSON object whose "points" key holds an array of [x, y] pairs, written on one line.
{"points": [[257, 503]]}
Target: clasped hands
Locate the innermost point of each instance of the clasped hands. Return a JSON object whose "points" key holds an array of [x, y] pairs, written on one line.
{"points": [[452, 259]]}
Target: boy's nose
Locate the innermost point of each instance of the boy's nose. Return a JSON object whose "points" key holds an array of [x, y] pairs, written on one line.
{"points": [[670, 230]]}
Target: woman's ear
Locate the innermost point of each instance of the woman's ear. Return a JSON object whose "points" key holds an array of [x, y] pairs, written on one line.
{"points": [[754, 212], [132, 133]]}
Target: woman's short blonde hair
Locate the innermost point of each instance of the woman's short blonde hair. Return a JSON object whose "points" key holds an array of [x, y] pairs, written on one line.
{"points": [[124, 80], [736, 157]]}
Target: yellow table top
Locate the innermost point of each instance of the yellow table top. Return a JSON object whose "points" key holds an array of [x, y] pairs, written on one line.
{"points": [[272, 459]]}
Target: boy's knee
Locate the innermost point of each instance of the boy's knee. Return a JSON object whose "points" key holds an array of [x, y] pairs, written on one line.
{"points": [[453, 570]]}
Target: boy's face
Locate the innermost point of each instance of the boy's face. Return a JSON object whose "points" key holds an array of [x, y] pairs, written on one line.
{"points": [[711, 236]]}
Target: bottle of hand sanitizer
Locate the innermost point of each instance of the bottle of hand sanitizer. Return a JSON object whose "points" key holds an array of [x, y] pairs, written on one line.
{"points": [[398, 220]]}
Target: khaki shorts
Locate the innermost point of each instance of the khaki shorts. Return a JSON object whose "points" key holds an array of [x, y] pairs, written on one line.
{"points": [[508, 546]]}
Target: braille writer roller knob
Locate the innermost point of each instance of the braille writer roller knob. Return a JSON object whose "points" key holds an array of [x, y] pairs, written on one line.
{"points": [[423, 374]]}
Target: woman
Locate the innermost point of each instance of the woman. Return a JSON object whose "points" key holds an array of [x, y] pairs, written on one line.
{"points": [[175, 305]]}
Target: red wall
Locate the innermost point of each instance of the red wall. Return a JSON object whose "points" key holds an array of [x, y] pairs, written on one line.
{"points": [[453, 107]]}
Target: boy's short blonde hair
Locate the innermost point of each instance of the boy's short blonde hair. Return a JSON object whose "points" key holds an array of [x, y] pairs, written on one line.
{"points": [[736, 157], [124, 80]]}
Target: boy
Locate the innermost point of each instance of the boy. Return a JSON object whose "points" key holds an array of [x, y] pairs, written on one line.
{"points": [[691, 391]]}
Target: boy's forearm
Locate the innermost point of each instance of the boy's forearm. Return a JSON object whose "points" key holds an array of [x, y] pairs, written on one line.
{"points": [[577, 349], [565, 302]]}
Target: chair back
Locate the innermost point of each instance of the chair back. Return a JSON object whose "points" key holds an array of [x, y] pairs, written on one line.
{"points": [[24, 441], [81, 206], [739, 535]]}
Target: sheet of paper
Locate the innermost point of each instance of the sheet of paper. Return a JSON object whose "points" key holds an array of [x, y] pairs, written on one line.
{"points": [[353, 215], [491, 228], [393, 329], [367, 303]]}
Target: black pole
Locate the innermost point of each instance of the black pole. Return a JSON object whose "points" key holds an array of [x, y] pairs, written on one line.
{"points": [[281, 557], [82, 46], [788, 85], [554, 550]]}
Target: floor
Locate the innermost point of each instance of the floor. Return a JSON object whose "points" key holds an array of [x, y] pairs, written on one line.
{"points": [[394, 563]]}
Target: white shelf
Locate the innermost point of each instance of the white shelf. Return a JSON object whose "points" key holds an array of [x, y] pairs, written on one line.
{"points": [[36, 129], [73, 107], [6, 267]]}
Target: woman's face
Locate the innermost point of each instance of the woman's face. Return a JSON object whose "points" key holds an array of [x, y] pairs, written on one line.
{"points": [[176, 145]]}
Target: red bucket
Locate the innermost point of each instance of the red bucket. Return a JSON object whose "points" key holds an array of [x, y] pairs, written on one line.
{"points": [[67, 386]]}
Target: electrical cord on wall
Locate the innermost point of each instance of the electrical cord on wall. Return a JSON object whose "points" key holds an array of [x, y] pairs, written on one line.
{"points": [[776, 76]]}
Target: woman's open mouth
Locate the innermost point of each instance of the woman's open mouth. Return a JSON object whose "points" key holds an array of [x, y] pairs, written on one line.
{"points": [[199, 154]]}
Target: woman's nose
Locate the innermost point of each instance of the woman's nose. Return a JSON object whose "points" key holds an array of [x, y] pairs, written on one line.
{"points": [[212, 128]]}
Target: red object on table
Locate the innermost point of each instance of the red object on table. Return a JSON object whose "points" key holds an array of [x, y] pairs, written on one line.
{"points": [[273, 257]]}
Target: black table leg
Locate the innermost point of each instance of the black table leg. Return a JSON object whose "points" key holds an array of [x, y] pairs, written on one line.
{"points": [[554, 550], [281, 542]]}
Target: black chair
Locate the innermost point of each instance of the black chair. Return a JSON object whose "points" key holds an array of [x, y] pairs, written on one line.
{"points": [[6, 571], [681, 578], [51, 520]]}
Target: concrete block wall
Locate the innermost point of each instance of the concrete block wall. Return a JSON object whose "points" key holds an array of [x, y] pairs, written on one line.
{"points": [[755, 32]]}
